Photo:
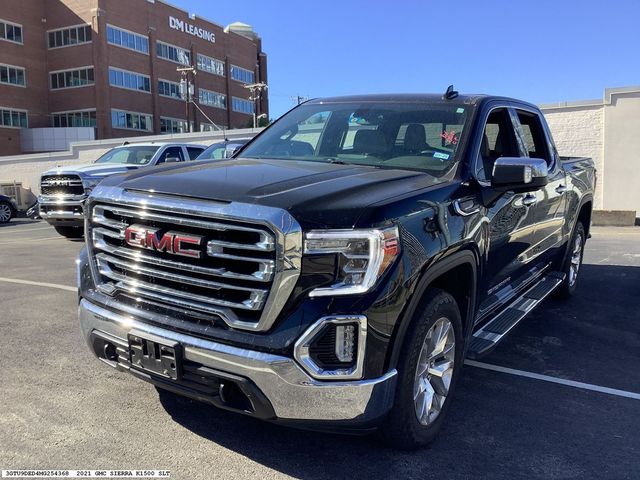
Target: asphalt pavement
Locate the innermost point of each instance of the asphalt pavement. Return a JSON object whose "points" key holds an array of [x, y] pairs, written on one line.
{"points": [[60, 408]]}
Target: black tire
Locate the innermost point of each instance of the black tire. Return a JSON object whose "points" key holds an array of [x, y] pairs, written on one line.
{"points": [[70, 232], [6, 212], [402, 429], [568, 286]]}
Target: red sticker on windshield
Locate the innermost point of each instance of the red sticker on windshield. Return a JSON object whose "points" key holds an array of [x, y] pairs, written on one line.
{"points": [[450, 137]]}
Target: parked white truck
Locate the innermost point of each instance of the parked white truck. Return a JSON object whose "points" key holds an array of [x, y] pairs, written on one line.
{"points": [[63, 190]]}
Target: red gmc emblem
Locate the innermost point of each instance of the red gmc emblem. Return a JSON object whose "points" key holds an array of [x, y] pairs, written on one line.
{"points": [[176, 243]]}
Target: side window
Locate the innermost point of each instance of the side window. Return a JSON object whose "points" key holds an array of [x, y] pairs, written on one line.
{"points": [[194, 152], [171, 153], [533, 135], [498, 140]]}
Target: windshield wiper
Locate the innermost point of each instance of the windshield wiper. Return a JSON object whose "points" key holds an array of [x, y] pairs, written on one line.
{"points": [[337, 161]]}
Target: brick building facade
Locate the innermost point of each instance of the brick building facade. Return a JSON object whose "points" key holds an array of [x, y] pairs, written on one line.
{"points": [[112, 65]]}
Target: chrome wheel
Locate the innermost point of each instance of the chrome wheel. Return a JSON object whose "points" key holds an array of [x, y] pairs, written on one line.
{"points": [[576, 259], [434, 371], [5, 213]]}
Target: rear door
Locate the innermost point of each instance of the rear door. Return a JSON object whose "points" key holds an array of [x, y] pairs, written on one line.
{"points": [[511, 220], [551, 205]]}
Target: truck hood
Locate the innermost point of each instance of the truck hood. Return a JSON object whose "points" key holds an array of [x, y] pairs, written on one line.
{"points": [[92, 170], [317, 194]]}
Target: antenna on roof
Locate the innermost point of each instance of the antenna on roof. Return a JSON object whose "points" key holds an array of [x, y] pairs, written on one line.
{"points": [[450, 94]]}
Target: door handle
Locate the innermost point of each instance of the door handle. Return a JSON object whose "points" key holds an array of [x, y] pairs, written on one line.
{"points": [[529, 200], [560, 189]]}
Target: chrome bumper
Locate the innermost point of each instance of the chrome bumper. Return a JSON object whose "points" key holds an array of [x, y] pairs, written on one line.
{"points": [[293, 394], [60, 208]]}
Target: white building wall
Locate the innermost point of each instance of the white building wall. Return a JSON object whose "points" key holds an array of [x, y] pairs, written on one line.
{"points": [[578, 131]]}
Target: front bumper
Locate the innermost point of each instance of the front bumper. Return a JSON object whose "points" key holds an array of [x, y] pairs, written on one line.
{"points": [[62, 210], [291, 395]]}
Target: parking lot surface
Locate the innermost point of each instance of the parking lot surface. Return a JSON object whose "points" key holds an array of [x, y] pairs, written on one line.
{"points": [[62, 408]]}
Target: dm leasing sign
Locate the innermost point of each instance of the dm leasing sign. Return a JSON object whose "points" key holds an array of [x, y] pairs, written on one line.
{"points": [[191, 29]]}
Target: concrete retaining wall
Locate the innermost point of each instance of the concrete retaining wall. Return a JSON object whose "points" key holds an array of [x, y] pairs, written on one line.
{"points": [[614, 218], [26, 169]]}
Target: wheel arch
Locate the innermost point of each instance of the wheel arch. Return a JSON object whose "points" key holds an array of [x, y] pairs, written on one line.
{"points": [[457, 274]]}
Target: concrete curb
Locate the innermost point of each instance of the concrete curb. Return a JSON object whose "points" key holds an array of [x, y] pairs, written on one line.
{"points": [[614, 218]]}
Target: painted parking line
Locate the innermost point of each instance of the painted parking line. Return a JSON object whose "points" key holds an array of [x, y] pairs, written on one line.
{"points": [[547, 378], [33, 240], [39, 284], [20, 230]]}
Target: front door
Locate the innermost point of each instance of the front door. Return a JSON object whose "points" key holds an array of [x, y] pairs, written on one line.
{"points": [[512, 220]]}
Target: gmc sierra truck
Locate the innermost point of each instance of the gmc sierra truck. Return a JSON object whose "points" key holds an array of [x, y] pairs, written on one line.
{"points": [[63, 190], [335, 273]]}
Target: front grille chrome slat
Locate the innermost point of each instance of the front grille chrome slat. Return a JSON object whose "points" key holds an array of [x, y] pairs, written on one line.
{"points": [[249, 261], [135, 286], [265, 243], [174, 277]]}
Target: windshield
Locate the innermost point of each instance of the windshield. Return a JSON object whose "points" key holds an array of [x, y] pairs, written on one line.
{"points": [[418, 136], [134, 155]]}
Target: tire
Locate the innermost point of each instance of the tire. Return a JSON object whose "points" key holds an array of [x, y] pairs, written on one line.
{"points": [[573, 262], [70, 232], [402, 428], [6, 212]]}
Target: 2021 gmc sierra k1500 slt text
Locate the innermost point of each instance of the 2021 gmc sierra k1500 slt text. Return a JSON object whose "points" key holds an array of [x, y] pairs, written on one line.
{"points": [[335, 273]]}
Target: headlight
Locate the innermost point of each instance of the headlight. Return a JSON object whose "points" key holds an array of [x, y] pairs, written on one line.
{"points": [[90, 183], [364, 256]]}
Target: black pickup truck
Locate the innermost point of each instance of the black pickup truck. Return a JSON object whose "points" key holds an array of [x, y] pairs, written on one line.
{"points": [[335, 273]]}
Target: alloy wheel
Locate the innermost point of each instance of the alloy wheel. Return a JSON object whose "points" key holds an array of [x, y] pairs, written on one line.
{"points": [[5, 213], [434, 371], [576, 259]]}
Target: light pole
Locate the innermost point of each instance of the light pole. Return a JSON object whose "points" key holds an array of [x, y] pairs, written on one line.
{"points": [[187, 89]]}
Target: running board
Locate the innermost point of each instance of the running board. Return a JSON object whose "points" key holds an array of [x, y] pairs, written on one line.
{"points": [[486, 339]]}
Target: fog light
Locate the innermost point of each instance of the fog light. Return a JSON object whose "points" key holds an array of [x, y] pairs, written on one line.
{"points": [[345, 335], [333, 348]]}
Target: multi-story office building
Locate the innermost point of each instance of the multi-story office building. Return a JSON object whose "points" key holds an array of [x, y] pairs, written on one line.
{"points": [[113, 65]]}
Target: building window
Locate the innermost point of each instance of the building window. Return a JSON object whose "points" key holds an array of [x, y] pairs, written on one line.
{"points": [[243, 106], [129, 80], [173, 125], [71, 78], [212, 99], [12, 118], [67, 37], [173, 53], [11, 32], [169, 89], [126, 39], [131, 120], [242, 74], [211, 65], [10, 75], [79, 118]]}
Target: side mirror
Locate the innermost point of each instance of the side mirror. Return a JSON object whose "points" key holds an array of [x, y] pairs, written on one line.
{"points": [[172, 160], [520, 174]]}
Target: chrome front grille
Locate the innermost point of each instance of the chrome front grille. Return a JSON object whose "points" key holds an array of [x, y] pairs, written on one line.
{"points": [[61, 185], [249, 256]]}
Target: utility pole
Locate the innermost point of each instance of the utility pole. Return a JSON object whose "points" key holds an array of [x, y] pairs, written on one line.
{"points": [[256, 90], [187, 89], [299, 99]]}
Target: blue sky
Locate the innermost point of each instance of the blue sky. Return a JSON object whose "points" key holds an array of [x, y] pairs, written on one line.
{"points": [[540, 50]]}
